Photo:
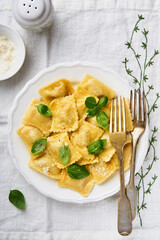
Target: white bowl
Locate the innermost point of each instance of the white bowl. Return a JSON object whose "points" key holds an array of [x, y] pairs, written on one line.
{"points": [[14, 37]]}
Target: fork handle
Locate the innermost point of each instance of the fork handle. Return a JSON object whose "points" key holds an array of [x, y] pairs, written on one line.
{"points": [[124, 209], [122, 184], [133, 161], [131, 190]]}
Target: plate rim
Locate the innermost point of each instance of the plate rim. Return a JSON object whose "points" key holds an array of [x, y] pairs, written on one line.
{"points": [[13, 107], [9, 74]]}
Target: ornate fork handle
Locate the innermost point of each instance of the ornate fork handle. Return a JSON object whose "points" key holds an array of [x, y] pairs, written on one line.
{"points": [[124, 208], [131, 190], [139, 124]]}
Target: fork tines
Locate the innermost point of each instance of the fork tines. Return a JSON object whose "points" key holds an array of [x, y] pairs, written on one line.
{"points": [[118, 112], [138, 103]]}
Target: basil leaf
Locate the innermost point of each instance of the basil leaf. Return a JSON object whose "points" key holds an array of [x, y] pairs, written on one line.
{"points": [[92, 112], [102, 119], [77, 171], [44, 110], [90, 102], [102, 102], [64, 153], [103, 142], [97, 146], [39, 145], [17, 199]]}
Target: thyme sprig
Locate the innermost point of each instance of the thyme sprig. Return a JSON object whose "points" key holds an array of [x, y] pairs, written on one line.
{"points": [[141, 82], [154, 105], [137, 56], [142, 205]]}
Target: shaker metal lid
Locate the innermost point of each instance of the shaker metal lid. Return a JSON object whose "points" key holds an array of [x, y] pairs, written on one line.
{"points": [[31, 12]]}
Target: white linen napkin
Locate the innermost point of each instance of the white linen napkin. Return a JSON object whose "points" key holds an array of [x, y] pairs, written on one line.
{"points": [[61, 5], [95, 36]]}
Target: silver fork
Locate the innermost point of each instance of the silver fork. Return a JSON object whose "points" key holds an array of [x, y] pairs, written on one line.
{"points": [[139, 125], [118, 138]]}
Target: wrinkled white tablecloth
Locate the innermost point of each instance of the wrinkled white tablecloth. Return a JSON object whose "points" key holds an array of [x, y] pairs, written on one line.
{"points": [[91, 35], [61, 5]]}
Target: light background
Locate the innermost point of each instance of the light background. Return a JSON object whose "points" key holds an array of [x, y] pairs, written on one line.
{"points": [[90, 35]]}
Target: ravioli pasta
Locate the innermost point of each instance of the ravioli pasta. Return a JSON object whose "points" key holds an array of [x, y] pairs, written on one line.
{"points": [[70, 128], [29, 135], [45, 165], [96, 87], [83, 186], [84, 136], [60, 88], [55, 142], [33, 118], [65, 116]]}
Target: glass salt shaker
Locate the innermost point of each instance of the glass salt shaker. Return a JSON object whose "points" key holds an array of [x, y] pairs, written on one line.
{"points": [[34, 15]]}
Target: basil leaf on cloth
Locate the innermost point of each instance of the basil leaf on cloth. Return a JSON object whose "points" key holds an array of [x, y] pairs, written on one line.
{"points": [[102, 119], [90, 102], [39, 146], [64, 153], [44, 110], [97, 146], [77, 171], [17, 199]]}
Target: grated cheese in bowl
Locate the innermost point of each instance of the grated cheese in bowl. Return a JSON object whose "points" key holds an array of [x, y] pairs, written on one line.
{"points": [[7, 54]]}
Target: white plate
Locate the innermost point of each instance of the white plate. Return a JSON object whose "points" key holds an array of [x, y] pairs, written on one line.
{"points": [[19, 153], [14, 37]]}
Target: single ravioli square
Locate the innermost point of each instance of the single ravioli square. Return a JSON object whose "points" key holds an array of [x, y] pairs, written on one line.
{"points": [[82, 186], [45, 165], [96, 87], [80, 96], [102, 171], [59, 88], [29, 135], [55, 142], [65, 116], [84, 136], [33, 118]]}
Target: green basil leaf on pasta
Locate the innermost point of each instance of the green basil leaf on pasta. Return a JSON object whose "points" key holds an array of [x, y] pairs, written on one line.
{"points": [[44, 110], [77, 171], [90, 102], [102, 102], [97, 146], [39, 145], [102, 119], [64, 153], [92, 112]]}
